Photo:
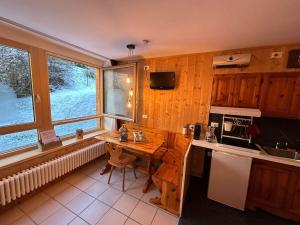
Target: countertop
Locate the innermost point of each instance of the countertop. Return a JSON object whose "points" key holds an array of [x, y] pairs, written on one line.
{"points": [[244, 152]]}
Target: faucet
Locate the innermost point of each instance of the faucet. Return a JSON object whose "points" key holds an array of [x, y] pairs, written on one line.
{"points": [[282, 137]]}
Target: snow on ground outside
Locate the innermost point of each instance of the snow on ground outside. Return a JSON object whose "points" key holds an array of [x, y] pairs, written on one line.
{"points": [[75, 100]]}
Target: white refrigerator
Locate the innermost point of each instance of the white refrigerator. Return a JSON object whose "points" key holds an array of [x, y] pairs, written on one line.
{"points": [[229, 179]]}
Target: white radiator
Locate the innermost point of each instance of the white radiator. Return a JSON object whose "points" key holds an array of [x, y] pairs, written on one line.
{"points": [[20, 184]]}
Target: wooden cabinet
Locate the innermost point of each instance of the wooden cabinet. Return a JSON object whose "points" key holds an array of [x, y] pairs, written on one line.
{"points": [[280, 95], [247, 90], [240, 90], [294, 197], [223, 90], [275, 188], [268, 185], [276, 94]]}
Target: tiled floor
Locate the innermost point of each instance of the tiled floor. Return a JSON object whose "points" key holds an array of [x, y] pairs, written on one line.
{"points": [[84, 197]]}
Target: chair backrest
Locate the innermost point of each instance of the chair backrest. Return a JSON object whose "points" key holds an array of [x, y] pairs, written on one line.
{"points": [[115, 152]]}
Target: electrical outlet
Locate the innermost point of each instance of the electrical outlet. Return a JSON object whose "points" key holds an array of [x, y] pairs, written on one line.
{"points": [[146, 68], [214, 124], [145, 116], [276, 55]]}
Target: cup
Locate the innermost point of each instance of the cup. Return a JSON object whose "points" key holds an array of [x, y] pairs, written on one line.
{"points": [[227, 126]]}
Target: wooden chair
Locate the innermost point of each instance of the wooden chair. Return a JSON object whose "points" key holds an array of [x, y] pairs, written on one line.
{"points": [[120, 160]]}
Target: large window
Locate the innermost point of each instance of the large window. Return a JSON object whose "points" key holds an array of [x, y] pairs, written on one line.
{"points": [[28, 105], [15, 87], [72, 94], [16, 104], [119, 91]]}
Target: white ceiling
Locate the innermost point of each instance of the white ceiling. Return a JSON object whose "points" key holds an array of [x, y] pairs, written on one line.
{"points": [[172, 26]]}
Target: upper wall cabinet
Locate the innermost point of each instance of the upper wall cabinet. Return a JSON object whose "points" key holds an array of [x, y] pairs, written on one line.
{"points": [[247, 90], [281, 95], [237, 90], [223, 90], [276, 94]]}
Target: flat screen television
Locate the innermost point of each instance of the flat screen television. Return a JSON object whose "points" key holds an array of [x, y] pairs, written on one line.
{"points": [[162, 80]]}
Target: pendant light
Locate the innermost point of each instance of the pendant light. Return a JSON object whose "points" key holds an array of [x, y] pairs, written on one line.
{"points": [[130, 48]]}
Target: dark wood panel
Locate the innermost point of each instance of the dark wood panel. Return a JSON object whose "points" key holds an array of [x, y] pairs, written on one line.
{"points": [[223, 90], [275, 188], [279, 93], [248, 90]]}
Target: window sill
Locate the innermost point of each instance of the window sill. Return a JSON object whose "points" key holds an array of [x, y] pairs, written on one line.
{"points": [[31, 154]]}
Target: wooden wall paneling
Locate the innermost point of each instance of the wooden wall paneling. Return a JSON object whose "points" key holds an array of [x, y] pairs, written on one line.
{"points": [[187, 103], [139, 95], [261, 60], [190, 101]]}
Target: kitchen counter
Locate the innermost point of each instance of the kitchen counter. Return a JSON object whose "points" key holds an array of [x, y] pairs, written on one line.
{"points": [[245, 152]]}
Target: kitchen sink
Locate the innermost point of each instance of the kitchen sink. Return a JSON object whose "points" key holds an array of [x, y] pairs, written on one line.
{"points": [[285, 153]]}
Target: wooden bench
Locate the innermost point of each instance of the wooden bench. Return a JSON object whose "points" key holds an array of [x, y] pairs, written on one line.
{"points": [[168, 177]]}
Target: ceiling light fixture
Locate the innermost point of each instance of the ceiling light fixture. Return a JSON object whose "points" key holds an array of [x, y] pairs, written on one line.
{"points": [[130, 48]]}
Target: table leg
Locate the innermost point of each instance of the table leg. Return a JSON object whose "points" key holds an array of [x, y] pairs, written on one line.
{"points": [[149, 169], [107, 167]]}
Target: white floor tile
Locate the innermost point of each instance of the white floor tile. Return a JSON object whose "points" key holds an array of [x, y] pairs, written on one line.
{"points": [[151, 193], [126, 204], [78, 221], [56, 188], [115, 177], [61, 217], [10, 215], [33, 202], [110, 196], [95, 174], [136, 190], [91, 168], [45, 210], [80, 202], [73, 178], [67, 195], [131, 222], [142, 178], [85, 183], [112, 217], [97, 189], [24, 220], [94, 212], [143, 213], [164, 218], [118, 184]]}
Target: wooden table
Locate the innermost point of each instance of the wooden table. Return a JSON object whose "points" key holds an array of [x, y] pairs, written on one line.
{"points": [[144, 148]]}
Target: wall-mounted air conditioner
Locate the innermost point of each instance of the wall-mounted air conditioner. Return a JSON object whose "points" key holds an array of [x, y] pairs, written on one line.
{"points": [[229, 61]]}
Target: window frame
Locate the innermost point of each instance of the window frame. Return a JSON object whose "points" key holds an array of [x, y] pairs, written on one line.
{"points": [[38, 59], [9, 129], [134, 97], [35, 92], [98, 115]]}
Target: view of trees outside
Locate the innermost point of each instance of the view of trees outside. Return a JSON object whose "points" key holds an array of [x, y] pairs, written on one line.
{"points": [[72, 94], [16, 106]]}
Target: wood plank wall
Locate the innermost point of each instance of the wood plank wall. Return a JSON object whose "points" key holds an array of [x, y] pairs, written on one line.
{"points": [[189, 102]]}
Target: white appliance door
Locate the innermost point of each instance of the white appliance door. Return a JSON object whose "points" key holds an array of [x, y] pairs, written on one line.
{"points": [[229, 178]]}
